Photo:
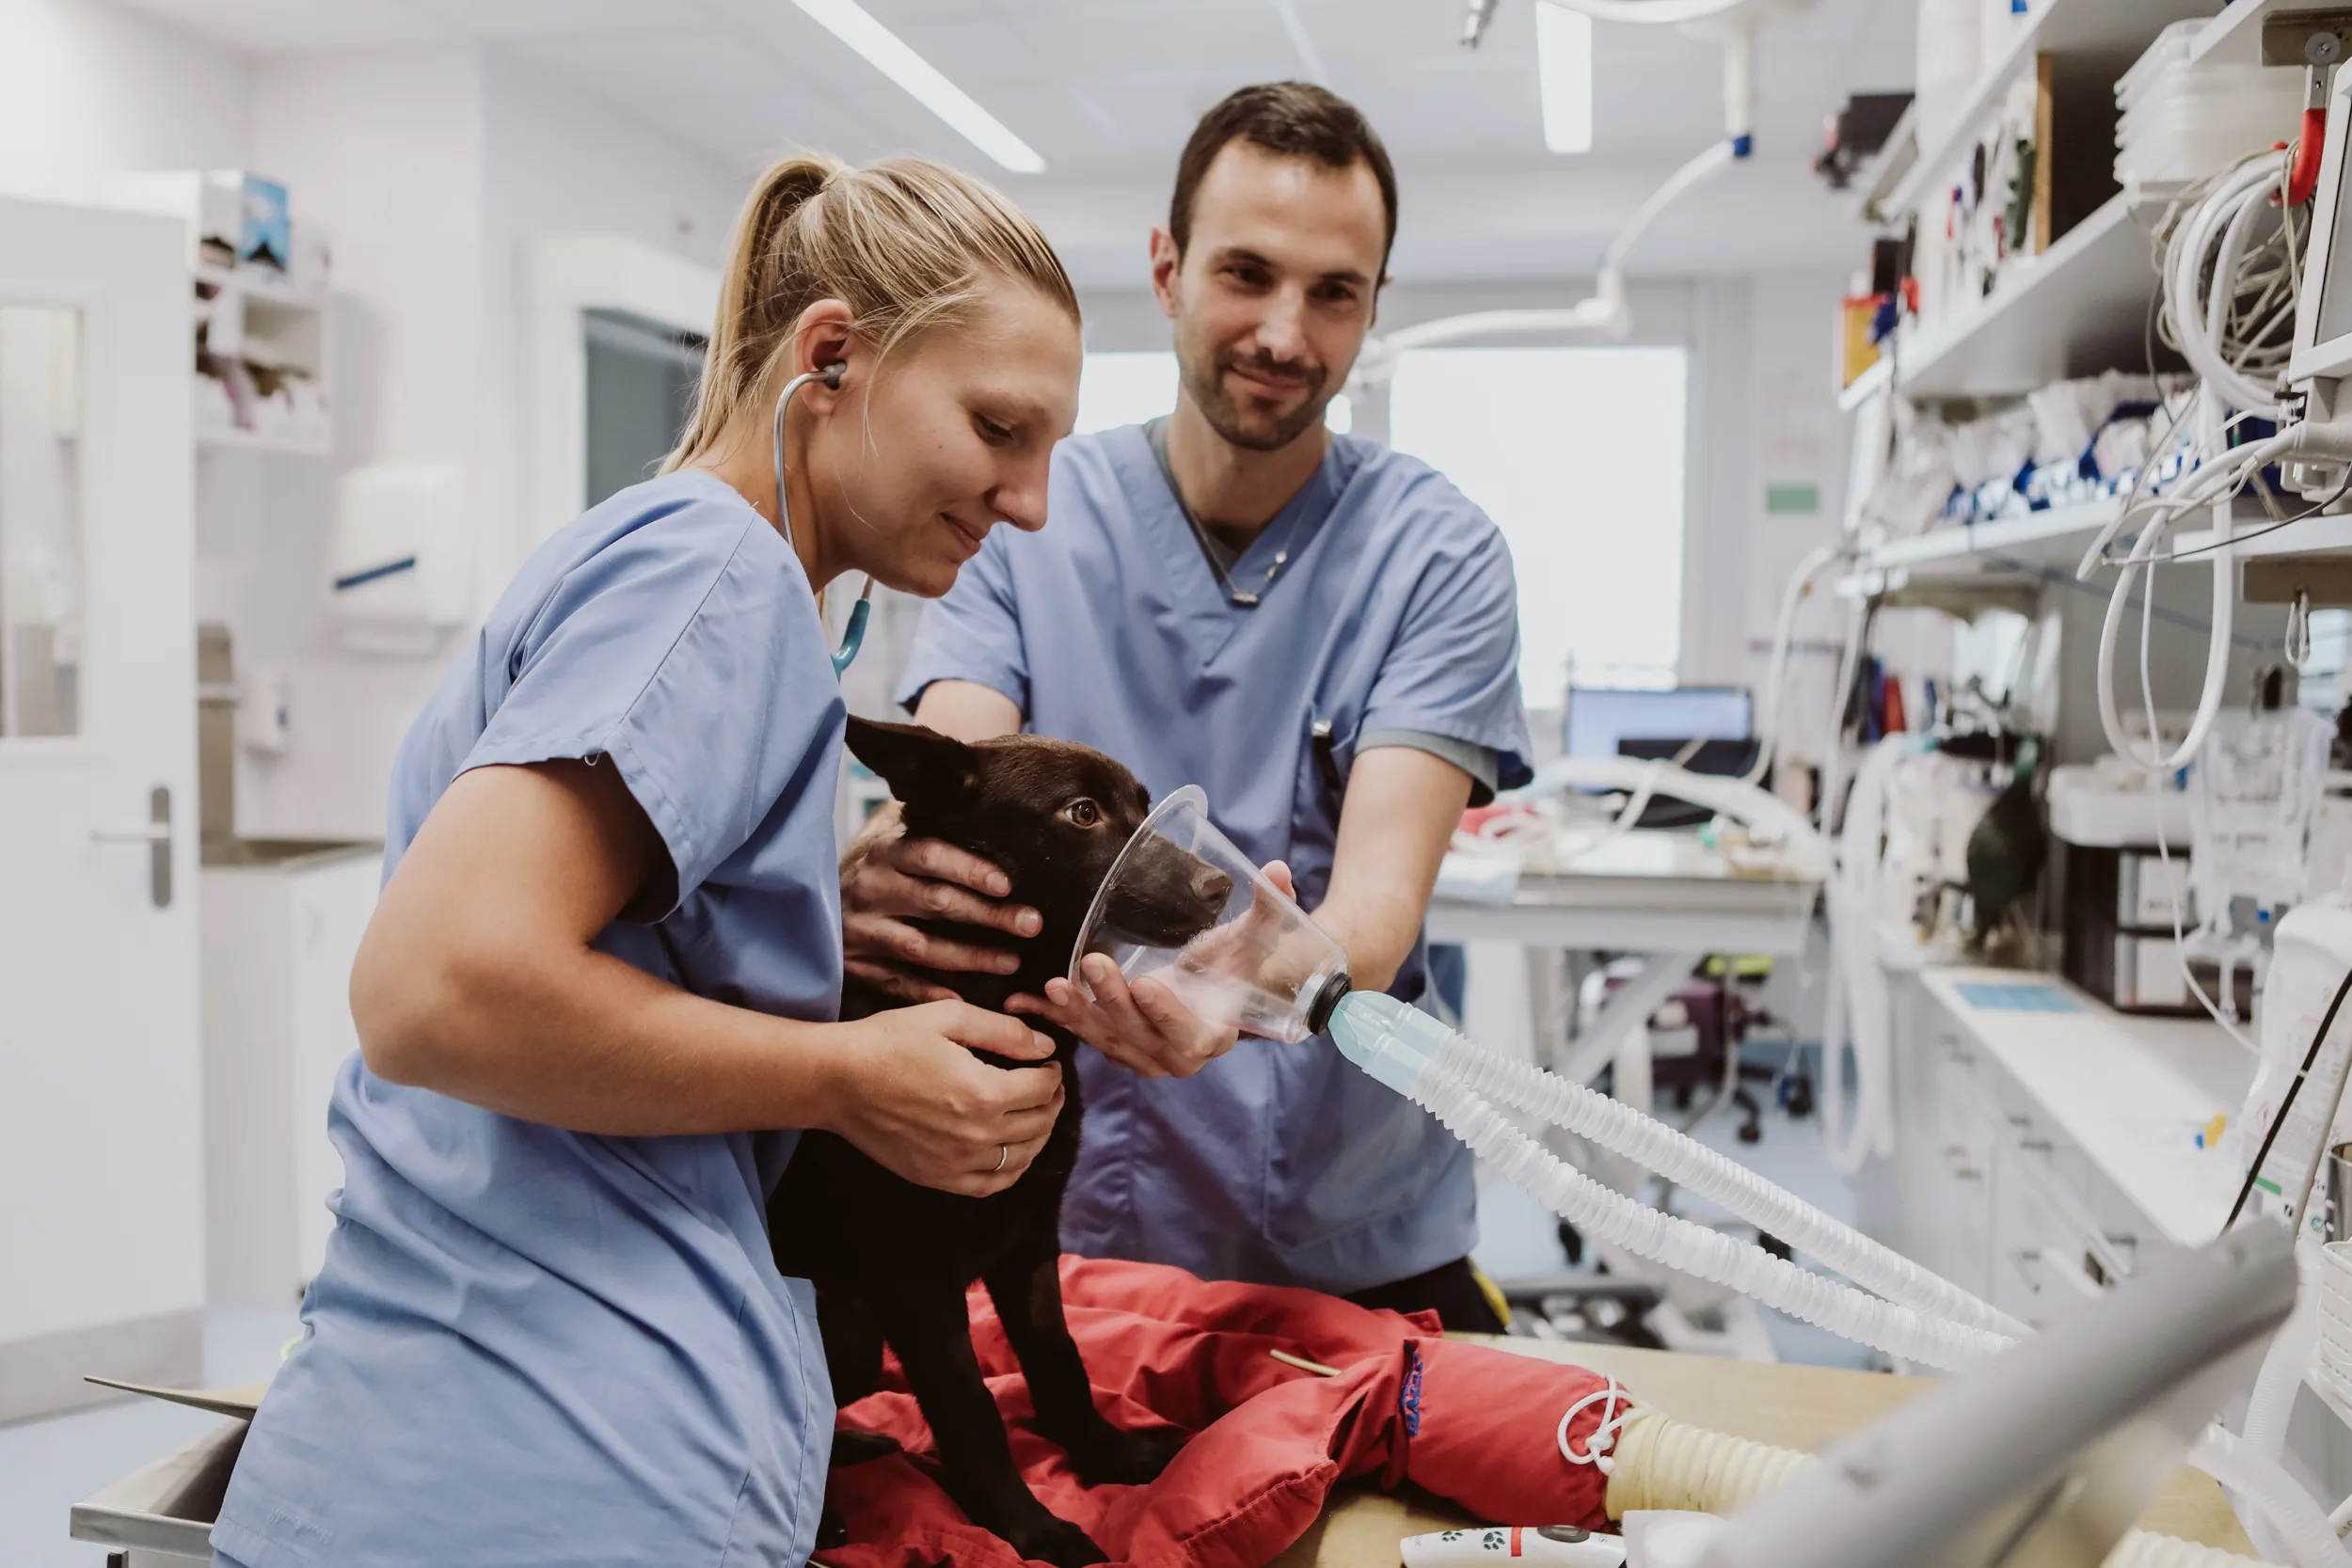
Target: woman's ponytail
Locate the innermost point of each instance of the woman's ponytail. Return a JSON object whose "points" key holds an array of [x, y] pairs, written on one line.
{"points": [[905, 242]]}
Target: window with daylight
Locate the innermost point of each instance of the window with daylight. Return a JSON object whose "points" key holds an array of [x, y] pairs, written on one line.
{"points": [[1577, 454]]}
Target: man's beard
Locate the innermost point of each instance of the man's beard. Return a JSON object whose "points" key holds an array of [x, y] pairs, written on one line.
{"points": [[1249, 431]]}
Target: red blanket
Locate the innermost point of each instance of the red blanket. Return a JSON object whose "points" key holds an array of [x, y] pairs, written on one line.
{"points": [[1464, 1421]]}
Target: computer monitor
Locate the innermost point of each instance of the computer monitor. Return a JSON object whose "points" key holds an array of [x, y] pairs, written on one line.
{"points": [[2323, 316], [1602, 719], [2045, 1454]]}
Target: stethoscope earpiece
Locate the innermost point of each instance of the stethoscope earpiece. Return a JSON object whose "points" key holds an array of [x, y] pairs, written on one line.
{"points": [[855, 635]]}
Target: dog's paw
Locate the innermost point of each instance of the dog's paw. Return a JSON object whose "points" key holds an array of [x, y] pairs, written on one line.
{"points": [[1053, 1539], [1116, 1458]]}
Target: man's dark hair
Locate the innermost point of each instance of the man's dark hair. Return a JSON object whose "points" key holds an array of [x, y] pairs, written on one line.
{"points": [[1295, 119]]}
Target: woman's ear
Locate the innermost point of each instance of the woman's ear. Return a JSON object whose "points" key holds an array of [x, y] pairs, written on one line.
{"points": [[825, 337]]}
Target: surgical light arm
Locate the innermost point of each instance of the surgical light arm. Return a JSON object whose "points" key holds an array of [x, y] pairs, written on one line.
{"points": [[1606, 311]]}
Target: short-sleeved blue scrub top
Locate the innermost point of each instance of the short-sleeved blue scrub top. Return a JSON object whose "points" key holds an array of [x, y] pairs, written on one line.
{"points": [[529, 1346], [1395, 611]]}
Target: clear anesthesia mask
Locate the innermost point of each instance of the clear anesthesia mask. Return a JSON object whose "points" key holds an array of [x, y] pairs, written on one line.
{"points": [[1186, 906]]}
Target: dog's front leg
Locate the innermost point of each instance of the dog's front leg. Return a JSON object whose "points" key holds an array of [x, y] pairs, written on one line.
{"points": [[933, 1338], [1027, 1293]]}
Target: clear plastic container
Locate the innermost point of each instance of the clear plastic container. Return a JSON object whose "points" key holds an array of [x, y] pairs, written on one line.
{"points": [[1184, 906]]}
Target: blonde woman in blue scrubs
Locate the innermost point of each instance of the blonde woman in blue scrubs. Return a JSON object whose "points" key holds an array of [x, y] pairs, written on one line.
{"points": [[608, 956]]}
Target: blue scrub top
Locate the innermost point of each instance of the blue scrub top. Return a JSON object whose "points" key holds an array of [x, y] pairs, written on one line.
{"points": [[529, 1346], [1396, 611]]}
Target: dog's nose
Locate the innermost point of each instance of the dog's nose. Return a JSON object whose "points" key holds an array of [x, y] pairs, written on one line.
{"points": [[1212, 887]]}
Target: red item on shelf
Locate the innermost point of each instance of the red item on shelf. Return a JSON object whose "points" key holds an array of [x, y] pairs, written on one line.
{"points": [[1465, 1421]]}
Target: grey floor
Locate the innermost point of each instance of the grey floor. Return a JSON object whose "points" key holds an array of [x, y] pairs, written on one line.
{"points": [[46, 1464]]}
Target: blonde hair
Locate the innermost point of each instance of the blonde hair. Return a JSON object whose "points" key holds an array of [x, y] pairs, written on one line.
{"points": [[907, 244]]}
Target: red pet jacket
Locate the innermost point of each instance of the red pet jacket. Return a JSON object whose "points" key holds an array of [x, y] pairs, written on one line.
{"points": [[1269, 1440]]}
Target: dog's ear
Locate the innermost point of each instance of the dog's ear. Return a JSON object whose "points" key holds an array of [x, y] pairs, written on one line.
{"points": [[918, 763]]}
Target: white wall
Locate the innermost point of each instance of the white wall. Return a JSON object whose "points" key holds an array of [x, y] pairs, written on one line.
{"points": [[434, 168], [89, 89]]}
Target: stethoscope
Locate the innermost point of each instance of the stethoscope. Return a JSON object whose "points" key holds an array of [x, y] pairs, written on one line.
{"points": [[855, 635]]}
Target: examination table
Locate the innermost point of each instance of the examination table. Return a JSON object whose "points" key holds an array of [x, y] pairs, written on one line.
{"points": [[1793, 1406], [165, 1508]]}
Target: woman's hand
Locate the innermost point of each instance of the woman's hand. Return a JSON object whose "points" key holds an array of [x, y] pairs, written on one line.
{"points": [[908, 1092], [888, 879], [1143, 1027]]}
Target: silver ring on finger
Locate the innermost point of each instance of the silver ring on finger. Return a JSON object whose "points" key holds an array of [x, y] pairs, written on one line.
{"points": [[1003, 1153]]}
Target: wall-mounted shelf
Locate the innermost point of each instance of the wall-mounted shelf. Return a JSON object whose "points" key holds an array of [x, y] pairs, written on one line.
{"points": [[2118, 29], [2080, 304], [2312, 536], [2236, 36], [2057, 536]]}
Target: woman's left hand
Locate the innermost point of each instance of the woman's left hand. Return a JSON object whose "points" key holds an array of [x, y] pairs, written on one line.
{"points": [[1142, 1027]]}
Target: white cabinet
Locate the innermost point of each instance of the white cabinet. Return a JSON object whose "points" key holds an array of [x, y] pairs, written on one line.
{"points": [[281, 924]]}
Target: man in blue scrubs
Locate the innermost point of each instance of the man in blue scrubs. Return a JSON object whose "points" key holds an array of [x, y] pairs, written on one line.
{"points": [[1319, 631]]}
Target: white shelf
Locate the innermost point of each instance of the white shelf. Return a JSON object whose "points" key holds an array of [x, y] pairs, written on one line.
{"points": [[259, 283], [2312, 536], [2236, 36], [249, 440], [2118, 29], [2036, 538], [1869, 384], [2080, 304], [1892, 163]]}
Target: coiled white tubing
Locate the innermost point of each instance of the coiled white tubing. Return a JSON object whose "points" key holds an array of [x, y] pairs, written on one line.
{"points": [[1611, 1218], [1692, 1166]]}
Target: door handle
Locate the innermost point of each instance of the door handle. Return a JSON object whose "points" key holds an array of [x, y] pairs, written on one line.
{"points": [[156, 835]]}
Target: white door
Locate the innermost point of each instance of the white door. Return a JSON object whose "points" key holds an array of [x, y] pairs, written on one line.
{"points": [[101, 1243]]}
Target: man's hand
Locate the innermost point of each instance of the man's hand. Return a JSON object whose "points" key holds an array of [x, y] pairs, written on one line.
{"points": [[1143, 1027], [888, 879]]}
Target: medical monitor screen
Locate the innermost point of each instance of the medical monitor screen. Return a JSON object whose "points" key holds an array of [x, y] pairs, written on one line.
{"points": [[1602, 719]]}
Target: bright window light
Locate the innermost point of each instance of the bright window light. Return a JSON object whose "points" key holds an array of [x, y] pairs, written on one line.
{"points": [[1577, 455], [1563, 63], [888, 54]]}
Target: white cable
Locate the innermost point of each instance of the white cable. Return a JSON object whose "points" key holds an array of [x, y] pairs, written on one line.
{"points": [[2155, 759], [1859, 1010], [1776, 671]]}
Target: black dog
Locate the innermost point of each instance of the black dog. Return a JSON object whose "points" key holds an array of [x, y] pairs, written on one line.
{"points": [[891, 1260]]}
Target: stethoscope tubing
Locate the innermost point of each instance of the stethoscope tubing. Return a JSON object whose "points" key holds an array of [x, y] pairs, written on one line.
{"points": [[853, 636]]}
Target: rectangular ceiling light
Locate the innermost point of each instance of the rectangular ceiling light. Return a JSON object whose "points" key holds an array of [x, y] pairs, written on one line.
{"points": [[888, 54], [1563, 63]]}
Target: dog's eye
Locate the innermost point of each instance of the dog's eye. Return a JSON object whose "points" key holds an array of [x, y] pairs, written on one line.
{"points": [[1085, 813]]}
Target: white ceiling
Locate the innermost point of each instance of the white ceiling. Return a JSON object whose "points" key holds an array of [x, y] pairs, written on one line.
{"points": [[1106, 90]]}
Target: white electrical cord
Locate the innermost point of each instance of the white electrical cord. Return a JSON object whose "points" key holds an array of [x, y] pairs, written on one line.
{"points": [[1776, 672], [2226, 303], [1860, 1010]]}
